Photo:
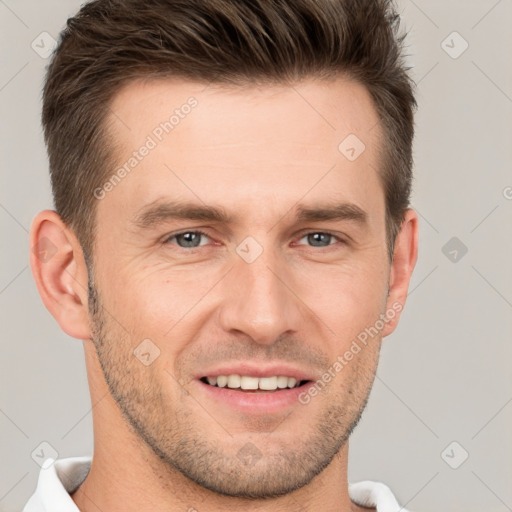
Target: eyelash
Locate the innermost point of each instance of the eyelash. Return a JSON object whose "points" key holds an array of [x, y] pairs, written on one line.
{"points": [[198, 231]]}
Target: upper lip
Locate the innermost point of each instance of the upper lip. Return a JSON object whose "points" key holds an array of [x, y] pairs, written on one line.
{"points": [[257, 370]]}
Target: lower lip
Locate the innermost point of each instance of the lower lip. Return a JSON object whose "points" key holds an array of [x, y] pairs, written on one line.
{"points": [[260, 402]]}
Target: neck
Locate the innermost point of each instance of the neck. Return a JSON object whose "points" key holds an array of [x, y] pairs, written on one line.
{"points": [[133, 482]]}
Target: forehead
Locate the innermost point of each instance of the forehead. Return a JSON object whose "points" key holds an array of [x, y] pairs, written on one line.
{"points": [[322, 106], [208, 141]]}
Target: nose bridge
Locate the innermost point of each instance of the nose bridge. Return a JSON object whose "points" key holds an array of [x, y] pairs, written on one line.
{"points": [[256, 300]]}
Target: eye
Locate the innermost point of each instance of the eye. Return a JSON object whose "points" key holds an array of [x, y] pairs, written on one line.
{"points": [[321, 238], [187, 239]]}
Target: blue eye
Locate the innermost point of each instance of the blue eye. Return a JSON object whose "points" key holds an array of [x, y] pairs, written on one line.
{"points": [[188, 239], [194, 239], [320, 238]]}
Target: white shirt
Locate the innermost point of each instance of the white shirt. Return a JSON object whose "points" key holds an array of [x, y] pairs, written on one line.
{"points": [[58, 479]]}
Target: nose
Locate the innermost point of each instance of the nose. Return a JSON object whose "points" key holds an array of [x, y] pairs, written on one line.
{"points": [[259, 300]]}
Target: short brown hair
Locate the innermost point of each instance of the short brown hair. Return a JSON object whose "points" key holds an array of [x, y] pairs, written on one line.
{"points": [[240, 42]]}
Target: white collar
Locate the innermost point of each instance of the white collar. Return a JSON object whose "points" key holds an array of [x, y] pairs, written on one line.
{"points": [[59, 479]]}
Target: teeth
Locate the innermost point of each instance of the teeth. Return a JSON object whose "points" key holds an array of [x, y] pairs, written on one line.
{"points": [[282, 382], [268, 383], [252, 383], [249, 382], [234, 381], [292, 382]]}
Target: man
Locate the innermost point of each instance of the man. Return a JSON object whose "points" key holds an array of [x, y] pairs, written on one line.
{"points": [[232, 241]]}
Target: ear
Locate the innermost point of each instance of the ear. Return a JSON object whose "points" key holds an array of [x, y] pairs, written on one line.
{"points": [[405, 255], [59, 269]]}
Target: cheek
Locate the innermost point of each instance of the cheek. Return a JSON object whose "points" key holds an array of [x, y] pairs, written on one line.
{"points": [[347, 298], [162, 305]]}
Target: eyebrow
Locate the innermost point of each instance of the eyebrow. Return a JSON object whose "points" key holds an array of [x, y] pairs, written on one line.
{"points": [[344, 211], [159, 212]]}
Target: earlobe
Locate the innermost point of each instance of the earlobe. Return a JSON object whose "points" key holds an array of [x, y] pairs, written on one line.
{"points": [[404, 260], [59, 269]]}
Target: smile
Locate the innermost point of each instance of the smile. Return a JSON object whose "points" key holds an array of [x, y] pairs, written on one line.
{"points": [[250, 383]]}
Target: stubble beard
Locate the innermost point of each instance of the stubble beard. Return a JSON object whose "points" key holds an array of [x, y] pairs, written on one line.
{"points": [[215, 464]]}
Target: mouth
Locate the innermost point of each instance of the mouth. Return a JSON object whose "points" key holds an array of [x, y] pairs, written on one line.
{"points": [[253, 388], [252, 384]]}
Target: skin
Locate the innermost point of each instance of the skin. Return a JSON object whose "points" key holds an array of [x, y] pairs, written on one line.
{"points": [[162, 443]]}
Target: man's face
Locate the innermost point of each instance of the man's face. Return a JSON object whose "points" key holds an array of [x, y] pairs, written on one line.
{"points": [[266, 293]]}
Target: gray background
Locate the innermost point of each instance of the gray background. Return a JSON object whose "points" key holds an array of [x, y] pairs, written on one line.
{"points": [[444, 375]]}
